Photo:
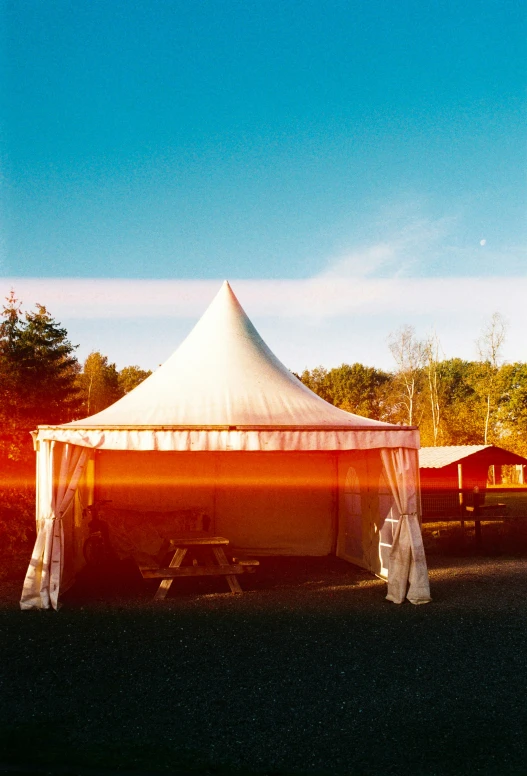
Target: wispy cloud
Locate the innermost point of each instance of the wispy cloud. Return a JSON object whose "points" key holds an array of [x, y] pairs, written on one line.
{"points": [[362, 263], [401, 248], [315, 298]]}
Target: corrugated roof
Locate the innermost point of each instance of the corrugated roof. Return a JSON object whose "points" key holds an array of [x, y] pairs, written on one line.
{"points": [[437, 457]]}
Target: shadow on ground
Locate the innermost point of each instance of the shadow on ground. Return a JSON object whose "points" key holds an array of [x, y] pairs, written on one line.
{"points": [[311, 671]]}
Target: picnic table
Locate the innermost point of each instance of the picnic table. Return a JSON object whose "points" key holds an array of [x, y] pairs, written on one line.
{"points": [[204, 547]]}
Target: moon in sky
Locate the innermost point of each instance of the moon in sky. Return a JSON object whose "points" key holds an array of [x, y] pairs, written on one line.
{"points": [[482, 242]]}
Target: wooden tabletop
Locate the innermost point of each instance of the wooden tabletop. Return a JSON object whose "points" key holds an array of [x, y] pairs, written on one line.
{"points": [[197, 539]]}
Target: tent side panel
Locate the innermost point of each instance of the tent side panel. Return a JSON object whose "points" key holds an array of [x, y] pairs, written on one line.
{"points": [[276, 503], [154, 481], [266, 503], [359, 508]]}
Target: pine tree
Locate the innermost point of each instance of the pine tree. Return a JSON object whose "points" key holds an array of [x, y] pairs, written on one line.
{"points": [[38, 372], [11, 436], [49, 368]]}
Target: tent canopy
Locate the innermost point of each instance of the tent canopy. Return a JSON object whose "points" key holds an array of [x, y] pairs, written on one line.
{"points": [[223, 389]]}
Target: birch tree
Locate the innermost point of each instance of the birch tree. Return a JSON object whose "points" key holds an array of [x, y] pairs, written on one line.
{"points": [[432, 367], [98, 383], [408, 353], [490, 348]]}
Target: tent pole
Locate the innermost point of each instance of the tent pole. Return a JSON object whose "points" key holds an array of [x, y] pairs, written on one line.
{"points": [[418, 500], [335, 507], [461, 497]]}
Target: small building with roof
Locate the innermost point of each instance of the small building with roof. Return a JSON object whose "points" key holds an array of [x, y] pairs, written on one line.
{"points": [[449, 474]]}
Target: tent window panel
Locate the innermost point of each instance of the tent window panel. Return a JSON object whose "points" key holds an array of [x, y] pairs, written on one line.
{"points": [[353, 507], [388, 521]]}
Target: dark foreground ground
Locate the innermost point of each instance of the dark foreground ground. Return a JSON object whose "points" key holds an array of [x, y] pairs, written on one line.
{"points": [[311, 671]]}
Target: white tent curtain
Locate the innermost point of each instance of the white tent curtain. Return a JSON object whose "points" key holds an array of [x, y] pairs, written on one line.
{"points": [[407, 570], [59, 469]]}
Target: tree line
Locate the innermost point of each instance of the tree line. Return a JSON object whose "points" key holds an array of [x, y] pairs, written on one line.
{"points": [[452, 401]]}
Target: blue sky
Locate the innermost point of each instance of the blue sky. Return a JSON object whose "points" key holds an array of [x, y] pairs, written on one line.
{"points": [[368, 142]]}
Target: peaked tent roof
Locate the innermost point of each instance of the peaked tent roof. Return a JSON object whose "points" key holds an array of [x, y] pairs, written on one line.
{"points": [[223, 374], [224, 379]]}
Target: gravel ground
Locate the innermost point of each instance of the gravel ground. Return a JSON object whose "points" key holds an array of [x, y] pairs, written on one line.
{"points": [[311, 671]]}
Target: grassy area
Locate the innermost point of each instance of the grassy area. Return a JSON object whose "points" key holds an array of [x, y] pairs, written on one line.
{"points": [[504, 538], [516, 502]]}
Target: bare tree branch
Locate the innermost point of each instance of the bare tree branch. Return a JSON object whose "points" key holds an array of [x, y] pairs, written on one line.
{"points": [[408, 354], [490, 346]]}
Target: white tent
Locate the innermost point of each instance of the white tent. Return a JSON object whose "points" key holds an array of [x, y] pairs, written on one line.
{"points": [[225, 428]]}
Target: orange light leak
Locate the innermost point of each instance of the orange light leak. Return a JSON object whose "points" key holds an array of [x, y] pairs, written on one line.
{"points": [[323, 480], [17, 477], [311, 479], [255, 470], [17, 482], [227, 481]]}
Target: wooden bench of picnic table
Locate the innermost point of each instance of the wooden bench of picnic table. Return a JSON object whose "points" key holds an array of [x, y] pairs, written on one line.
{"points": [[198, 539]]}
